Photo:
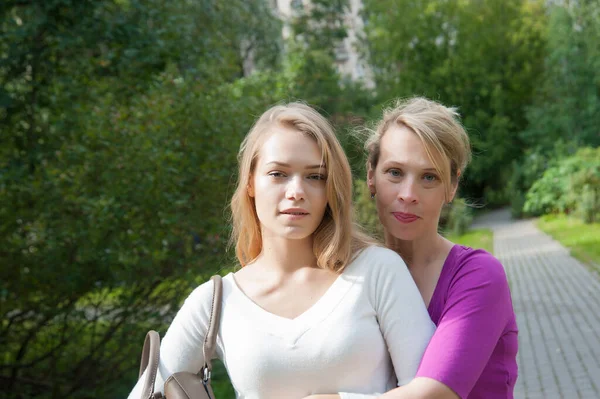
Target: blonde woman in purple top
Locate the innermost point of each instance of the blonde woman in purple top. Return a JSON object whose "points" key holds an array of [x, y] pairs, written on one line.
{"points": [[417, 154], [416, 157]]}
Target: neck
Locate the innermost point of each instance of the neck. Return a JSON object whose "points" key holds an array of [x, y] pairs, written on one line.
{"points": [[287, 256], [420, 252]]}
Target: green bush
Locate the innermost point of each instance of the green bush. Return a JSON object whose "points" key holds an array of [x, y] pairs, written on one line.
{"points": [[517, 202], [570, 186], [586, 184], [460, 217], [133, 200], [524, 174], [589, 209], [366, 210]]}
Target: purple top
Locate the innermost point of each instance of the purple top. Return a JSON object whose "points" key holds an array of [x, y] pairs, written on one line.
{"points": [[474, 349]]}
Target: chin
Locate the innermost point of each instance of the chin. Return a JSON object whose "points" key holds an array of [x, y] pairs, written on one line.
{"points": [[405, 233], [296, 233]]}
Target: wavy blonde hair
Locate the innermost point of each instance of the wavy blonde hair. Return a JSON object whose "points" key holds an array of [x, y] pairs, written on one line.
{"points": [[337, 239], [439, 129]]}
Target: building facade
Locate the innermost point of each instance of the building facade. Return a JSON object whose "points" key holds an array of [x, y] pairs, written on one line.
{"points": [[350, 63]]}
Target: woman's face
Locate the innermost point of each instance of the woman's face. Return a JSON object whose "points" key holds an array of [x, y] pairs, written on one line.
{"points": [[288, 185], [409, 191]]}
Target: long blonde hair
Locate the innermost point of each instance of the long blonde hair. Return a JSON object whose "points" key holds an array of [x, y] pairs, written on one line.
{"points": [[337, 239]]}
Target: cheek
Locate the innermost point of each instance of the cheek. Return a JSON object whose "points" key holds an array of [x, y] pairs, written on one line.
{"points": [[386, 193], [269, 187], [320, 196], [265, 192], [434, 200], [260, 183]]}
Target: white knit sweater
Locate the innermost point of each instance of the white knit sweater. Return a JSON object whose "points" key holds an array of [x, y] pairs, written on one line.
{"points": [[366, 334]]}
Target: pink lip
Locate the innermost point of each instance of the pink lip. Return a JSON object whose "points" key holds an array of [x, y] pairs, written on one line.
{"points": [[295, 213], [405, 217]]}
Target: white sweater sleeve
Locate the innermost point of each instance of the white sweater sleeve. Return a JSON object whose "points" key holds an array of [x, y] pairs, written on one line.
{"points": [[401, 313], [403, 317], [181, 347]]}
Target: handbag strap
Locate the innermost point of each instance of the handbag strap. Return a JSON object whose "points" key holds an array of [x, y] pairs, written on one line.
{"points": [[210, 340], [151, 350], [150, 356]]}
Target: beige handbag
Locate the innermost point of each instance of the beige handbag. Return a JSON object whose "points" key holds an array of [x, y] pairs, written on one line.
{"points": [[184, 385]]}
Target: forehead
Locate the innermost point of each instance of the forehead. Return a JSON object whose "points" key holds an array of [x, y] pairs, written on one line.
{"points": [[401, 144], [287, 145]]}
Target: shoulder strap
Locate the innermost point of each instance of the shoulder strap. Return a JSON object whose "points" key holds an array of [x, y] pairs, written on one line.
{"points": [[150, 355], [210, 341]]}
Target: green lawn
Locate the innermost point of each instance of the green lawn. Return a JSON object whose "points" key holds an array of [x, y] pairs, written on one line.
{"points": [[479, 238], [582, 239]]}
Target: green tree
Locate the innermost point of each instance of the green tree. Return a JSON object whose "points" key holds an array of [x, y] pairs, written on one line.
{"points": [[120, 125], [309, 65], [566, 106], [483, 57]]}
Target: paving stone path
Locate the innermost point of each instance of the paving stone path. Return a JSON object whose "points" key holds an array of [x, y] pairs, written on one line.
{"points": [[557, 302]]}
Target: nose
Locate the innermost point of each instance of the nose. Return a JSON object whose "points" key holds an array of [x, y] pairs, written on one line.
{"points": [[407, 191], [295, 189]]}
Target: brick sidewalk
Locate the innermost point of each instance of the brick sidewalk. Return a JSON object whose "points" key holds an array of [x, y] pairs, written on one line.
{"points": [[557, 301]]}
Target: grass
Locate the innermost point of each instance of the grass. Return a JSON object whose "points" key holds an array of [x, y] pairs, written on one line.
{"points": [[478, 238], [582, 239]]}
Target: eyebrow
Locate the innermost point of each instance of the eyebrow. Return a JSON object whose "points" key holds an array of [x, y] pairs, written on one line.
{"points": [[287, 165], [394, 163]]}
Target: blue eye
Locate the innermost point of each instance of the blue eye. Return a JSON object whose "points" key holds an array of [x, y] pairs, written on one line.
{"points": [[276, 174], [394, 172], [430, 177], [317, 177]]}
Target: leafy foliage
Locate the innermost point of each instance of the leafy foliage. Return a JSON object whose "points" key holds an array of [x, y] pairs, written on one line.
{"points": [[365, 209], [562, 187], [567, 102], [460, 217], [124, 121], [121, 120], [482, 57]]}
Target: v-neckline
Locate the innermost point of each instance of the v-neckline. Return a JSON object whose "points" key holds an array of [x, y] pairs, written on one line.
{"points": [[291, 329]]}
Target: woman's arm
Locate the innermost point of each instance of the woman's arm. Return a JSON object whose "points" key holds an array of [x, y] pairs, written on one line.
{"points": [[181, 347], [402, 315], [476, 311], [421, 388], [400, 312]]}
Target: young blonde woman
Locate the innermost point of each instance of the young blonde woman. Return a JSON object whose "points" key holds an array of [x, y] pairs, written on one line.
{"points": [[316, 307], [416, 157]]}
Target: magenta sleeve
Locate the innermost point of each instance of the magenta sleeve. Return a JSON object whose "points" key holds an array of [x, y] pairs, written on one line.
{"points": [[476, 310]]}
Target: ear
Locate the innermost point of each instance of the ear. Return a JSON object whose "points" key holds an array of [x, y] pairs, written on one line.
{"points": [[454, 187], [371, 180], [250, 187]]}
